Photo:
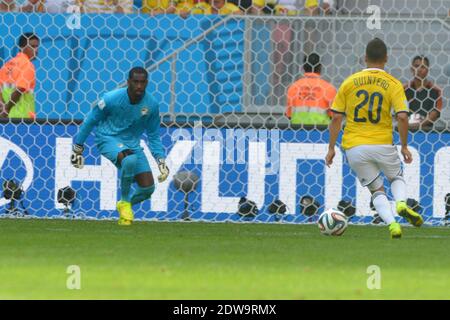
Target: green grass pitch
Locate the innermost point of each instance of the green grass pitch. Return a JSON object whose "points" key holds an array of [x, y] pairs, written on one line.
{"points": [[157, 260]]}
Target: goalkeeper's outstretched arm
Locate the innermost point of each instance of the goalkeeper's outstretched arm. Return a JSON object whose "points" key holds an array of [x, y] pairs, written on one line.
{"points": [[153, 136], [93, 118], [155, 144]]}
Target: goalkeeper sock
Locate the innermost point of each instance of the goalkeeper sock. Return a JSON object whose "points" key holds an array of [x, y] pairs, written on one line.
{"points": [[398, 188], [142, 194], [383, 207], [127, 176]]}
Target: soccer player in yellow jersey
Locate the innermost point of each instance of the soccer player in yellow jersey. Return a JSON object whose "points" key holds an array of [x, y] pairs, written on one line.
{"points": [[367, 100]]}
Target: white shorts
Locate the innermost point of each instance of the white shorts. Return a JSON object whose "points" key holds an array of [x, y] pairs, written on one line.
{"points": [[369, 161]]}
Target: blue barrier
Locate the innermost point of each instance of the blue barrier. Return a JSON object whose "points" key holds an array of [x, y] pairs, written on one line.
{"points": [[260, 164], [75, 66]]}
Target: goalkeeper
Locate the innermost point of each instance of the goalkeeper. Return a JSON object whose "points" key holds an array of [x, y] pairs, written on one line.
{"points": [[120, 119]]}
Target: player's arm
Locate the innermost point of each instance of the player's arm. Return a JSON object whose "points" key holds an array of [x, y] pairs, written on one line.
{"points": [[402, 123], [96, 115], [15, 97], [435, 113], [430, 119], [401, 109], [155, 144], [338, 112], [3, 113], [334, 128]]}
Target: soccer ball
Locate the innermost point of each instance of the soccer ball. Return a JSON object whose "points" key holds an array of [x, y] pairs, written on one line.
{"points": [[332, 222]]}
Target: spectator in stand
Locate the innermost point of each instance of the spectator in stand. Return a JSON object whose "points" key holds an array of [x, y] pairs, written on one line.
{"points": [[181, 7], [254, 7], [18, 80], [216, 7], [424, 98], [105, 6], [154, 7], [20, 6], [316, 7], [309, 98], [184, 7], [55, 6], [7, 6], [291, 7]]}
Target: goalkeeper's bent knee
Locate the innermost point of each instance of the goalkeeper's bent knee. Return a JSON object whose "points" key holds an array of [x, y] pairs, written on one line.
{"points": [[128, 165], [142, 194]]}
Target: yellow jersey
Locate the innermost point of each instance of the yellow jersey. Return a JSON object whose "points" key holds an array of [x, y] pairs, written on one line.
{"points": [[368, 99], [185, 5], [205, 8], [148, 6], [105, 6]]}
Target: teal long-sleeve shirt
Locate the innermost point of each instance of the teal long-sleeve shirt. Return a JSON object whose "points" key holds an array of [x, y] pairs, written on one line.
{"points": [[115, 116]]}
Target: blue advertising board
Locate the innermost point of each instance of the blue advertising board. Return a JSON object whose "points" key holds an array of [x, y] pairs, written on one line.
{"points": [[262, 165]]}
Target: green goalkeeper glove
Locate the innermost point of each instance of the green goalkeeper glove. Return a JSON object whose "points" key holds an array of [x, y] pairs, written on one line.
{"points": [[163, 169]]}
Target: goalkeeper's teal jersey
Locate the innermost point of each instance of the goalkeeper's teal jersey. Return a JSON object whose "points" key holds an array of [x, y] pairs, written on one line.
{"points": [[115, 116]]}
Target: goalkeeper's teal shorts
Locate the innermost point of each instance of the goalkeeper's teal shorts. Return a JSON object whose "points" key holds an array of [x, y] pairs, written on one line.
{"points": [[110, 147]]}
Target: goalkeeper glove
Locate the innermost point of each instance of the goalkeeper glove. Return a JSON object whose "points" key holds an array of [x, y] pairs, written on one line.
{"points": [[76, 157], [163, 169]]}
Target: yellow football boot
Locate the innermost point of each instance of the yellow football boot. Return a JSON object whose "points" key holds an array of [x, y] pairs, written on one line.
{"points": [[395, 230], [126, 214], [413, 217]]}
